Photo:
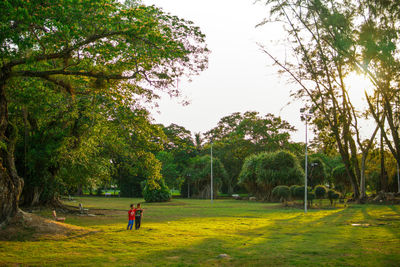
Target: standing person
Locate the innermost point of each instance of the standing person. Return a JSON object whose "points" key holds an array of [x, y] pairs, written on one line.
{"points": [[138, 216], [131, 217]]}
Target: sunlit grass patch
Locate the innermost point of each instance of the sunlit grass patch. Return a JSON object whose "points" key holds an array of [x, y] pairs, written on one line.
{"points": [[195, 232]]}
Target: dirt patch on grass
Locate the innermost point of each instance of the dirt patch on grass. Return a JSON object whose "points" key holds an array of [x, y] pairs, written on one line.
{"points": [[30, 227]]}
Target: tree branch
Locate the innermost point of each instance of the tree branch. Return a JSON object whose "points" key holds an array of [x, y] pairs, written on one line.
{"points": [[68, 50], [46, 74]]}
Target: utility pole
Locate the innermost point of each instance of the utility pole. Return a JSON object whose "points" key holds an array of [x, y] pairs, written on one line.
{"points": [[212, 189], [305, 116]]}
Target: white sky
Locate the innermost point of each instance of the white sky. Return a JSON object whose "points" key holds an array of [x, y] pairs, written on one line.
{"points": [[240, 77]]}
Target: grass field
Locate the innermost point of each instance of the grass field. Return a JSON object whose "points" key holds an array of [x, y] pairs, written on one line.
{"points": [[195, 232]]}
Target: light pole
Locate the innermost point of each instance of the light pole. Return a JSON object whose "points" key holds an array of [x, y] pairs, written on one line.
{"points": [[313, 164], [188, 182], [212, 173], [305, 116]]}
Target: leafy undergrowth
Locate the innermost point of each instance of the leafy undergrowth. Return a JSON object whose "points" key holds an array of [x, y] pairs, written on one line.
{"points": [[196, 232]]}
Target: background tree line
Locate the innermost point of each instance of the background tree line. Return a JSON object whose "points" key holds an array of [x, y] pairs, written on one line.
{"points": [[76, 76]]}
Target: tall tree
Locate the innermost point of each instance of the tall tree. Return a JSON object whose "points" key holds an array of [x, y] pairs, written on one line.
{"points": [[77, 45], [326, 37], [200, 176], [179, 143], [239, 135], [262, 172]]}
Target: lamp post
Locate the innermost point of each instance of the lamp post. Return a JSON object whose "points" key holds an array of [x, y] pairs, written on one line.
{"points": [[188, 182], [212, 189], [305, 116], [313, 164]]}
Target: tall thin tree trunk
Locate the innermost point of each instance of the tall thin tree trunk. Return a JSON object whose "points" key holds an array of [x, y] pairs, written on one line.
{"points": [[365, 151], [36, 195], [10, 184], [383, 172], [363, 193]]}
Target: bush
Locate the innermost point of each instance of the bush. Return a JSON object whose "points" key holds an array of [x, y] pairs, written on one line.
{"points": [[248, 177], [292, 189], [340, 179], [160, 193], [333, 196], [320, 191], [299, 192], [310, 197], [282, 192], [316, 171], [293, 192]]}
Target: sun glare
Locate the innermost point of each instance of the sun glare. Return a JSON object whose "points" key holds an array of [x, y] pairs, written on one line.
{"points": [[358, 84]]}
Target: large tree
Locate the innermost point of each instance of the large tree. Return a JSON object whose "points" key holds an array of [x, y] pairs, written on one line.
{"points": [[330, 40], [262, 172], [179, 144], [59, 140], [88, 46], [239, 135], [200, 177]]}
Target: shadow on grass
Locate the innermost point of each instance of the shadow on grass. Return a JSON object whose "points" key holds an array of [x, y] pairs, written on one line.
{"points": [[387, 220], [312, 239]]}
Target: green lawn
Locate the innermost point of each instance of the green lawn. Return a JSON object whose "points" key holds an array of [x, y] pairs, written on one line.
{"points": [[194, 232]]}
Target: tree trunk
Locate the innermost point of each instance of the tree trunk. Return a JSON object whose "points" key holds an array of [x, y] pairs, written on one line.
{"points": [[79, 192], [383, 177], [230, 189], [363, 193], [10, 183], [36, 195], [365, 151], [349, 170]]}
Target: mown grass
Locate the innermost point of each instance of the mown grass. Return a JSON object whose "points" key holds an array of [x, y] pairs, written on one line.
{"points": [[195, 232]]}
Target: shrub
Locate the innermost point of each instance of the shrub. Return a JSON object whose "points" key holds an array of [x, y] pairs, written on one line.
{"points": [[340, 179], [320, 191], [248, 177], [275, 192], [299, 192], [310, 197], [292, 191], [316, 173], [333, 196], [282, 192], [160, 193], [295, 193]]}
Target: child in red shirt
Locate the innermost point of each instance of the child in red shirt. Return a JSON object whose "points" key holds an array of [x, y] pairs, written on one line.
{"points": [[131, 217]]}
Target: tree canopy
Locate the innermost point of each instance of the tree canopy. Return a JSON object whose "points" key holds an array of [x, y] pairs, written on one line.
{"points": [[124, 52], [330, 40], [264, 171]]}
